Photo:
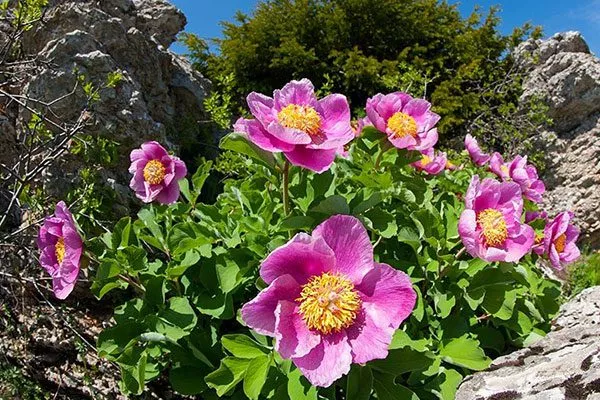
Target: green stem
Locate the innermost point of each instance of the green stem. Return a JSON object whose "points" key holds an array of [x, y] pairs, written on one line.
{"points": [[385, 146], [286, 193], [133, 283]]}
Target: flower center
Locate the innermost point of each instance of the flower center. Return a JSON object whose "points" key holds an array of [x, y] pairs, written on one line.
{"points": [[304, 118], [154, 172], [59, 250], [329, 303], [539, 238], [560, 242], [504, 170], [402, 125], [425, 160], [493, 227]]}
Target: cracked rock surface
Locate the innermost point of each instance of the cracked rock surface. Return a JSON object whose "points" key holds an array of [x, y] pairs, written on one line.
{"points": [[567, 76], [565, 365]]}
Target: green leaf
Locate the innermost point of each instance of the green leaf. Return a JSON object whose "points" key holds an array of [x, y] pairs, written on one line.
{"points": [[500, 301], [403, 360], [184, 188], [383, 222], [108, 268], [401, 339], [133, 369], [444, 302], [333, 205], [177, 320], [360, 383], [297, 223], [445, 384], [148, 218], [176, 269], [230, 373], [256, 376], [490, 338], [112, 341], [387, 389], [239, 144], [242, 346], [120, 233], [187, 380], [200, 176], [299, 388], [186, 236], [227, 273], [156, 289], [465, 352]]}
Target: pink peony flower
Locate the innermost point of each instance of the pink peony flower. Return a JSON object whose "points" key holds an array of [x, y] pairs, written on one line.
{"points": [[490, 227], [408, 122], [499, 167], [526, 176], [431, 163], [560, 237], [530, 216], [308, 131], [479, 157], [60, 250], [328, 304], [156, 174]]}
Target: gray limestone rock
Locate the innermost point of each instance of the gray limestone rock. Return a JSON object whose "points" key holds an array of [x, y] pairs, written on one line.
{"points": [[564, 365], [566, 75]]}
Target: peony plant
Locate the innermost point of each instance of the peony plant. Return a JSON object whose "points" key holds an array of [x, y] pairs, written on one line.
{"points": [[389, 272]]}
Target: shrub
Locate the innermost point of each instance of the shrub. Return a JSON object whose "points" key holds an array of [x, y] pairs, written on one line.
{"points": [[360, 47], [194, 270]]}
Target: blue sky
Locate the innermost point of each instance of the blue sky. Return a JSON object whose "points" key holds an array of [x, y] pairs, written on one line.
{"points": [[554, 15]]}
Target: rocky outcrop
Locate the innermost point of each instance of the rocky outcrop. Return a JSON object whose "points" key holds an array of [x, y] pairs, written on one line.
{"points": [[79, 42], [567, 76], [94, 38], [563, 365]]}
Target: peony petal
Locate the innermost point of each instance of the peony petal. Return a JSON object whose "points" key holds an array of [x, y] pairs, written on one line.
{"points": [[327, 362], [316, 160], [261, 107], [350, 242], [302, 257], [300, 92], [168, 194], [259, 313], [154, 151], [368, 340], [416, 108], [294, 339], [427, 140], [388, 296], [61, 288], [256, 133], [467, 228], [288, 135]]}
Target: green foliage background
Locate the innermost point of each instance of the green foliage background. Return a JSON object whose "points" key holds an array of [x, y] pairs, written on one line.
{"points": [[189, 267], [362, 47]]}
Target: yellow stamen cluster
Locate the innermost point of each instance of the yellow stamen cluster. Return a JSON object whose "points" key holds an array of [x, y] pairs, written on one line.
{"points": [[329, 303], [560, 242], [402, 125], [539, 238], [59, 250], [505, 170], [425, 160], [154, 172], [493, 227], [304, 118]]}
